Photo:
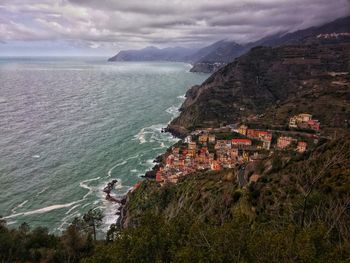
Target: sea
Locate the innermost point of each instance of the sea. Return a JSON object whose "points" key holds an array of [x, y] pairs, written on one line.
{"points": [[68, 126]]}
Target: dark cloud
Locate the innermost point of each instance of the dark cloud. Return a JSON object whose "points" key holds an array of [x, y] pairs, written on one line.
{"points": [[135, 23]]}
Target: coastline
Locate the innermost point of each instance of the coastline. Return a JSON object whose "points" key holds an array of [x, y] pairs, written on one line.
{"points": [[177, 132]]}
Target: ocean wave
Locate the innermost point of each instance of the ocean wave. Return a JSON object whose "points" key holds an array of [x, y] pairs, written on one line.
{"points": [[173, 110], [68, 218], [146, 133], [42, 191], [71, 209], [182, 97], [83, 184], [109, 173], [19, 206], [43, 210], [110, 208], [85, 205]]}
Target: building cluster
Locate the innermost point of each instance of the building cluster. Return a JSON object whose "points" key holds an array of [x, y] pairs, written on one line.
{"points": [[284, 142], [204, 150], [204, 153], [304, 121]]}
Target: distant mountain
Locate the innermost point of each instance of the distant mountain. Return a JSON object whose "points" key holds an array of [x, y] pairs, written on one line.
{"points": [[340, 25], [153, 54], [223, 52], [210, 58], [216, 55]]}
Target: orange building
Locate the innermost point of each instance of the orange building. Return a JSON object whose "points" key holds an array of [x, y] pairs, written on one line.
{"points": [[261, 135], [203, 138], [301, 147], [215, 166], [241, 142]]}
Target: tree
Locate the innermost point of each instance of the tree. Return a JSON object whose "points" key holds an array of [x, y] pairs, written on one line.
{"points": [[93, 219]]}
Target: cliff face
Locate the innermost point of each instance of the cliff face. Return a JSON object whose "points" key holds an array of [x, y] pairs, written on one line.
{"points": [[265, 77]]}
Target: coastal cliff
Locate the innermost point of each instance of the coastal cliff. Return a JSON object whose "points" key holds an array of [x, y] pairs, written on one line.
{"points": [[266, 77], [269, 84], [279, 204], [297, 210]]}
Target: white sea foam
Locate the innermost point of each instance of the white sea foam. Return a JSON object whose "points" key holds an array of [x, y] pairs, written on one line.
{"points": [[141, 136], [85, 205], [173, 110], [36, 156], [146, 134], [43, 210], [66, 219], [42, 191], [71, 209], [183, 97], [109, 173], [84, 185], [19, 206]]}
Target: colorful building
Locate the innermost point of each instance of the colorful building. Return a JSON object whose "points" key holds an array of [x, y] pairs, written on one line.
{"points": [[203, 138], [301, 147], [211, 138], [243, 129], [284, 141], [239, 142], [259, 135], [304, 121], [215, 166], [192, 146], [314, 125]]}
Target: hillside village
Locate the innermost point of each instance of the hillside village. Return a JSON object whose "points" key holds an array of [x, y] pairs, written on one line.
{"points": [[235, 146]]}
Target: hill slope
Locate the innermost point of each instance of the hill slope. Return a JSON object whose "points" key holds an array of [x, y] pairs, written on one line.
{"points": [[217, 55], [314, 76], [227, 52]]}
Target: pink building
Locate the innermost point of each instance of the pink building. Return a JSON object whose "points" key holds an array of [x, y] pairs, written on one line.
{"points": [[283, 142]]}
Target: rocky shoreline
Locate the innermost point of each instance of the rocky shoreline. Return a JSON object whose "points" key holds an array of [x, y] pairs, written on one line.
{"points": [[159, 161]]}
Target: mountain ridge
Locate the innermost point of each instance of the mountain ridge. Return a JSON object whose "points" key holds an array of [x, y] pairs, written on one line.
{"points": [[252, 84], [216, 55]]}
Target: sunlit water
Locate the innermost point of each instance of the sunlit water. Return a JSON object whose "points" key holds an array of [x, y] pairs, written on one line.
{"points": [[69, 126]]}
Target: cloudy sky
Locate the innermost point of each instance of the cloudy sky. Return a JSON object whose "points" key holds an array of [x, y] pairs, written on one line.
{"points": [[103, 27]]}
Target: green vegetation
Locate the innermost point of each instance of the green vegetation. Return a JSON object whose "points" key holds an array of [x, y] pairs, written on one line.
{"points": [[38, 245], [298, 211]]}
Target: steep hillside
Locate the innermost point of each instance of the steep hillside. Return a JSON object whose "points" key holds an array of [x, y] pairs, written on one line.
{"points": [[227, 51], [315, 75], [284, 179], [298, 211], [340, 25]]}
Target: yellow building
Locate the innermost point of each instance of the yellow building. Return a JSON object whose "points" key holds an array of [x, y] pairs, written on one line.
{"points": [[243, 129]]}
